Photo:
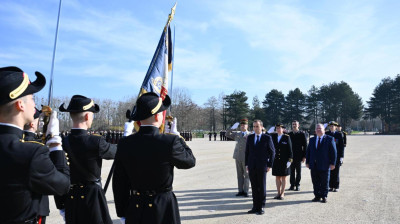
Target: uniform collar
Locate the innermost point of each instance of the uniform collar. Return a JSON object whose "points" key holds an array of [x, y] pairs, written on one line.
{"points": [[149, 129], [10, 129], [78, 131], [29, 133]]}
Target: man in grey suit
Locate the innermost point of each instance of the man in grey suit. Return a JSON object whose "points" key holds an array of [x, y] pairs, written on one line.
{"points": [[239, 155]]}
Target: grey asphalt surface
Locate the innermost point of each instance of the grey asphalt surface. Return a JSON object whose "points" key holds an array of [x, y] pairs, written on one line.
{"points": [[369, 189]]}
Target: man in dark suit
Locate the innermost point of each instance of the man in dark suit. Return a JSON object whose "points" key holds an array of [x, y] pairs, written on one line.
{"points": [[320, 159], [85, 202], [28, 169], [259, 157], [299, 146], [144, 166], [338, 137]]}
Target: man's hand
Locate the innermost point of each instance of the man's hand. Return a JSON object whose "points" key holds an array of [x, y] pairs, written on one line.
{"points": [[268, 168], [53, 128], [332, 167], [236, 125], [128, 129]]}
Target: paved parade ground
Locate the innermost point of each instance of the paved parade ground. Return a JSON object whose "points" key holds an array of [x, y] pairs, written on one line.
{"points": [[369, 188]]}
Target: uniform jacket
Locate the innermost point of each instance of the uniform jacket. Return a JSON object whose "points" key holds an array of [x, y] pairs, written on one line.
{"points": [[86, 202], [27, 171], [261, 155], [323, 157], [44, 201], [283, 149], [240, 148], [145, 163], [338, 138], [299, 145]]}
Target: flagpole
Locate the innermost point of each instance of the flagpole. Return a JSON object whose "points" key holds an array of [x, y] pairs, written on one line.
{"points": [[172, 70]]}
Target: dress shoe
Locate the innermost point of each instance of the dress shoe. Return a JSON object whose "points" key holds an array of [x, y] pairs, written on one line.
{"points": [[330, 189], [260, 212], [246, 195], [316, 199], [252, 211], [335, 190], [277, 196], [239, 194], [291, 188], [297, 188], [324, 200]]}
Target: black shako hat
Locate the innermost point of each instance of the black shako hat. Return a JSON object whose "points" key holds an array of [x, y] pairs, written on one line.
{"points": [[15, 83], [280, 125], [149, 104], [79, 104]]}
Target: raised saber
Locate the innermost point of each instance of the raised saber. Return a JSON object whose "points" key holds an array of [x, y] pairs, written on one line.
{"points": [[47, 109]]}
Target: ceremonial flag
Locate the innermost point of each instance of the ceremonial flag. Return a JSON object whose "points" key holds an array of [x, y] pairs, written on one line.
{"points": [[156, 79]]}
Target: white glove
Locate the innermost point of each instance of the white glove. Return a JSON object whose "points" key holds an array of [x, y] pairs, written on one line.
{"points": [[128, 128], [122, 220], [62, 213], [53, 126], [288, 164], [341, 160], [174, 127], [236, 125]]}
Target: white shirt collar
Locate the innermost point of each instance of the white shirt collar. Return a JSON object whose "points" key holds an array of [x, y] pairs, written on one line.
{"points": [[11, 125]]}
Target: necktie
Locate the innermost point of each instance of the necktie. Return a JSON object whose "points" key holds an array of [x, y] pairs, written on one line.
{"points": [[258, 139], [319, 142]]}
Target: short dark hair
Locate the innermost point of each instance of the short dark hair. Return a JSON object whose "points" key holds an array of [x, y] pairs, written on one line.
{"points": [[259, 121], [295, 121]]}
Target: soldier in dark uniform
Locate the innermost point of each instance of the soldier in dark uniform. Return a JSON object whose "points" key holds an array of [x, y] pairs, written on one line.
{"points": [[30, 135], [209, 135], [144, 167], [344, 134], [108, 136], [28, 169], [190, 136], [85, 202], [215, 136], [283, 159], [299, 147], [334, 175]]}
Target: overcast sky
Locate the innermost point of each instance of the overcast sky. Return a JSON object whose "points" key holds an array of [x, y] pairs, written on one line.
{"points": [[105, 47]]}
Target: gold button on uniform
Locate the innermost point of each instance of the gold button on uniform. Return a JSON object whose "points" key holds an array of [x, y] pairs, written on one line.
{"points": [[150, 205], [82, 197], [72, 197], [138, 193], [137, 205]]}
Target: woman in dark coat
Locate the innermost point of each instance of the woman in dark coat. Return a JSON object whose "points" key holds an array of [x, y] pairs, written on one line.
{"points": [[283, 159]]}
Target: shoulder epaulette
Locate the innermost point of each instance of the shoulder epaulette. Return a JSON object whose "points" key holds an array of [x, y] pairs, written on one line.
{"points": [[286, 134], [345, 132], [32, 142], [97, 135]]}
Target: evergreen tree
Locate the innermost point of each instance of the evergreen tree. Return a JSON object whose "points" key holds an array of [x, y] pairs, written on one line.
{"points": [[294, 107], [236, 106], [274, 107]]}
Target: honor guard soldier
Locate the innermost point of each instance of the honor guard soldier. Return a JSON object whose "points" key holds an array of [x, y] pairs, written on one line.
{"points": [[299, 147], [239, 155], [334, 176], [344, 134], [30, 134], [283, 159], [209, 135], [28, 169], [144, 166], [85, 202]]}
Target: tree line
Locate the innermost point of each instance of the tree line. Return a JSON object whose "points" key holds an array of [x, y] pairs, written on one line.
{"points": [[334, 101]]}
